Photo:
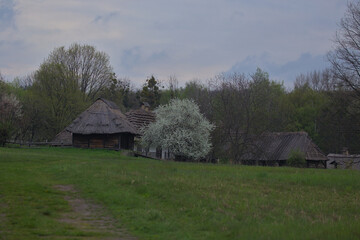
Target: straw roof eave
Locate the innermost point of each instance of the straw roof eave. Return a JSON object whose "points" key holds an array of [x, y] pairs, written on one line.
{"points": [[102, 117]]}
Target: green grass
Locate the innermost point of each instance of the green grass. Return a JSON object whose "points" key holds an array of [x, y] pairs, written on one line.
{"points": [[169, 200]]}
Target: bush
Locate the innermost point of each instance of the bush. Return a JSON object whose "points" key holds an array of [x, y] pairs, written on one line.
{"points": [[296, 159], [5, 133]]}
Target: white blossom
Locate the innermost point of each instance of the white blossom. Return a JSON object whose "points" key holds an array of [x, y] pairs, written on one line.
{"points": [[180, 128]]}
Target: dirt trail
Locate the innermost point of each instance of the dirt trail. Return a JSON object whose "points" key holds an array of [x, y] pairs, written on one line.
{"points": [[2, 218], [89, 217]]}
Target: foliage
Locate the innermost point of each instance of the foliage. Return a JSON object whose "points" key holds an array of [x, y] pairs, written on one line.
{"points": [[89, 68], [338, 122], [346, 69], [296, 159], [180, 128], [121, 92], [150, 92], [306, 106], [56, 94], [244, 108], [173, 200], [10, 115]]}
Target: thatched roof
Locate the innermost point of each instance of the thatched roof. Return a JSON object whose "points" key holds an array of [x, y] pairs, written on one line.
{"points": [[278, 146], [102, 117], [63, 138], [140, 117]]}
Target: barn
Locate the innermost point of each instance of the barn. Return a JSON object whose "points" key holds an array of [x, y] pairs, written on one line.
{"points": [[274, 149], [102, 125]]}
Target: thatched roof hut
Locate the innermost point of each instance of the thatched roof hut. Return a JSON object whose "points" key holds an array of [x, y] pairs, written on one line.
{"points": [[63, 138], [141, 117], [102, 117], [275, 149], [102, 125]]}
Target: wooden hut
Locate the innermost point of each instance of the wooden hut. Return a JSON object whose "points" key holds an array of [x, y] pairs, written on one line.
{"points": [[102, 125], [141, 117], [344, 160], [273, 149], [63, 138]]}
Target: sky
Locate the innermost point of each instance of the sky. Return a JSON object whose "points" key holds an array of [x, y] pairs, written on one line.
{"points": [[188, 39]]}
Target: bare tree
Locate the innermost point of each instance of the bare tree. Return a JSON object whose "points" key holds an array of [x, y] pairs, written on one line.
{"points": [[173, 86], [318, 80], [244, 108], [345, 58], [232, 114]]}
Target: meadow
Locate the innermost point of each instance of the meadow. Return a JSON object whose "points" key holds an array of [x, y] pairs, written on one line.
{"points": [[155, 199]]}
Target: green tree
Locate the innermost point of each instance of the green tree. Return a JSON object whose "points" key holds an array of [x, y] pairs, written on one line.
{"points": [[151, 92], [90, 68], [306, 107], [10, 115], [56, 94], [268, 105]]}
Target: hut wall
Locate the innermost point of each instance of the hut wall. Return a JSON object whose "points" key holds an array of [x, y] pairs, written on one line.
{"points": [[127, 141], [96, 141], [80, 141], [107, 141], [112, 141]]}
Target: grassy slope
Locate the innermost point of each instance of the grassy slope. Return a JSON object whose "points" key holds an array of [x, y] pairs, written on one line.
{"points": [[168, 200]]}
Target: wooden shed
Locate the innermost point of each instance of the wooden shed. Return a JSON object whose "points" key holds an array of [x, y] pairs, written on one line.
{"points": [[102, 125], [141, 117], [63, 138], [273, 149], [344, 161]]}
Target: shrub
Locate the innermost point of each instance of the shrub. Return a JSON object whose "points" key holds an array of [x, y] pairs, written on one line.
{"points": [[296, 159]]}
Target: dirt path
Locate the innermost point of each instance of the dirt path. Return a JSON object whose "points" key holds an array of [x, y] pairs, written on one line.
{"points": [[89, 217], [2, 218]]}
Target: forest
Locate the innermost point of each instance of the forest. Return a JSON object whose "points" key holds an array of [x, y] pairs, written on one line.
{"points": [[323, 103], [38, 107]]}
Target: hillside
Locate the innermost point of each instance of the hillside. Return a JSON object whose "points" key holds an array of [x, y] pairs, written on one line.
{"points": [[149, 199]]}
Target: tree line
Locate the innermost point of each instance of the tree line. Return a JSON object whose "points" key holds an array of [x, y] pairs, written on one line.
{"points": [[324, 103]]}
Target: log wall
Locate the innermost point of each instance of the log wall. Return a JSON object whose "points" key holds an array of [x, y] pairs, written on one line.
{"points": [[107, 141]]}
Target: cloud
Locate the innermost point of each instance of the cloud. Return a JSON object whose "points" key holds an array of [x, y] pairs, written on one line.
{"points": [[131, 57], [7, 14], [105, 18], [190, 39]]}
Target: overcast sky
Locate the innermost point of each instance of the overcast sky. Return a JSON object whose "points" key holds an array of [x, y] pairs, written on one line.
{"points": [[191, 39]]}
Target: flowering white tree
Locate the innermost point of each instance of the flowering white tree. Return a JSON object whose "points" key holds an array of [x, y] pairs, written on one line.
{"points": [[180, 128]]}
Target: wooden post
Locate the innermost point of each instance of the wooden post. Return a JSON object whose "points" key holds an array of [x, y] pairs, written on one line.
{"points": [[119, 141]]}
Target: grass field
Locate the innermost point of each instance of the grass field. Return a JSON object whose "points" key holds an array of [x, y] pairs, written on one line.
{"points": [[170, 200]]}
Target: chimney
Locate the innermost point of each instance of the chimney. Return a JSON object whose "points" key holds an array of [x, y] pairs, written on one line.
{"points": [[145, 106]]}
